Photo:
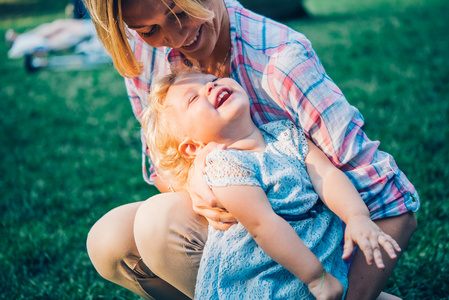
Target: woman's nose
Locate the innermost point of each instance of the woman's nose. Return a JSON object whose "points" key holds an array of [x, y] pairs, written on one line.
{"points": [[174, 36]]}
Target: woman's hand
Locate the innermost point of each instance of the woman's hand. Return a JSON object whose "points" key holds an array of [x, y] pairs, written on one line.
{"points": [[326, 287], [362, 231], [204, 201]]}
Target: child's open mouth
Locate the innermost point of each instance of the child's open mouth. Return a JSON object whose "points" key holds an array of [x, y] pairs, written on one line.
{"points": [[222, 97]]}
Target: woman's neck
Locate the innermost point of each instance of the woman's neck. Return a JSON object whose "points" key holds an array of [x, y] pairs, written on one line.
{"points": [[218, 63]]}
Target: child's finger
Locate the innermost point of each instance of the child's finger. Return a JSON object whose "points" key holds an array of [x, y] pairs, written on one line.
{"points": [[389, 245], [395, 245], [348, 247], [377, 254], [367, 250], [378, 258]]}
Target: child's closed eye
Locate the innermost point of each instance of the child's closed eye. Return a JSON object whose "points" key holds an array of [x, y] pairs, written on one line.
{"points": [[193, 98]]}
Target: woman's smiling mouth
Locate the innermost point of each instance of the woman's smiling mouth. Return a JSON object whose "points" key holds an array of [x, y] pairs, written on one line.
{"points": [[194, 42]]}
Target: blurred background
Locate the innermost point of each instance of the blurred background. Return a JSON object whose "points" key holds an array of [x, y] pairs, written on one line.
{"points": [[70, 148]]}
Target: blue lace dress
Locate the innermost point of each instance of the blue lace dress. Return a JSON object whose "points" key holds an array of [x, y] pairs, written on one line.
{"points": [[233, 266]]}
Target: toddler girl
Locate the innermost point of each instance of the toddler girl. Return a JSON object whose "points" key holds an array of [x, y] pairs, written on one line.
{"points": [[286, 244]]}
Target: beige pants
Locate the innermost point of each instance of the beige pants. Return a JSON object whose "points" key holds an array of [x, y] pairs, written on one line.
{"points": [[152, 248]]}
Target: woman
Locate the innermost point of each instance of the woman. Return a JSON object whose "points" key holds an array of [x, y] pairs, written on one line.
{"points": [[153, 248]]}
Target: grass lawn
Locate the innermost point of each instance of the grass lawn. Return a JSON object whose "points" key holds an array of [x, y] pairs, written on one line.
{"points": [[70, 148]]}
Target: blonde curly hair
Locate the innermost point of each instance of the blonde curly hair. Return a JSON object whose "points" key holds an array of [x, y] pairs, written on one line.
{"points": [[162, 136], [107, 17]]}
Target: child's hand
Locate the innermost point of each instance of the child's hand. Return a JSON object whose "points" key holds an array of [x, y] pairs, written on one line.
{"points": [[327, 288], [362, 231]]}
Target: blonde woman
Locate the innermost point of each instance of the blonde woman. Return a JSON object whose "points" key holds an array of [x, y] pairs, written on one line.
{"points": [[153, 248]]}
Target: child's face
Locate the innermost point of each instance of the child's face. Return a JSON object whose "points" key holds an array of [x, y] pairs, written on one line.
{"points": [[206, 108]]}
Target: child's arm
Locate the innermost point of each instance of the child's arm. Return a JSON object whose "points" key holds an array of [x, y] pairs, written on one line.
{"points": [[251, 207], [339, 194]]}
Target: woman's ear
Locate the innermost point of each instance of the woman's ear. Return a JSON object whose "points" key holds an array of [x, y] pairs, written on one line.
{"points": [[190, 148]]}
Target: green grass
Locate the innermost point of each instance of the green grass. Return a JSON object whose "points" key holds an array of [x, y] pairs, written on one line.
{"points": [[70, 149]]}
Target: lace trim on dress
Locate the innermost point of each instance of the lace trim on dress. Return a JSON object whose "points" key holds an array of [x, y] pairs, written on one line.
{"points": [[220, 169], [225, 167], [288, 132]]}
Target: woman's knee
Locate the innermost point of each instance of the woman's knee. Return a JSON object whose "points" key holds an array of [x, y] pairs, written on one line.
{"points": [[170, 238], [412, 222], [401, 228], [110, 241], [166, 225]]}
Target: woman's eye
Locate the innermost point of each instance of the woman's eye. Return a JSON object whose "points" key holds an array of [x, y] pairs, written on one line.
{"points": [[181, 15], [178, 15], [151, 32]]}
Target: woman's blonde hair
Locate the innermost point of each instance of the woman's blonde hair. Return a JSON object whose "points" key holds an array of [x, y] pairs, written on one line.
{"points": [[111, 30], [162, 136]]}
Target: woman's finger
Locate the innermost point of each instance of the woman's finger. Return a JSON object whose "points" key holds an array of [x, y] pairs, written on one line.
{"points": [[226, 217], [220, 225], [203, 196], [220, 216], [215, 214], [208, 213], [201, 156], [220, 220]]}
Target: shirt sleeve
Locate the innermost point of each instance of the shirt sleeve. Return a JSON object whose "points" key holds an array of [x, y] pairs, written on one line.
{"points": [[296, 80], [148, 171], [137, 89]]}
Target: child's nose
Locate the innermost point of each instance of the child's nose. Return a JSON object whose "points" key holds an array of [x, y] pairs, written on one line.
{"points": [[209, 87]]}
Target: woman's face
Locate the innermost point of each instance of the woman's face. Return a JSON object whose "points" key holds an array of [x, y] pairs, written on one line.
{"points": [[159, 26]]}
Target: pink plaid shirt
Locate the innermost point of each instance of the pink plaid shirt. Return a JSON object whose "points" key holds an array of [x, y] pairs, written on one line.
{"points": [[285, 79]]}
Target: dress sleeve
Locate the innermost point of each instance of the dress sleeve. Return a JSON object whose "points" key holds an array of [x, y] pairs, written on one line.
{"points": [[300, 140], [231, 167], [291, 134]]}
